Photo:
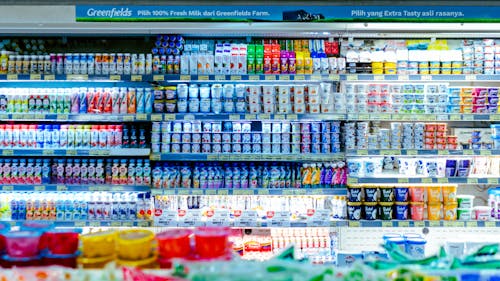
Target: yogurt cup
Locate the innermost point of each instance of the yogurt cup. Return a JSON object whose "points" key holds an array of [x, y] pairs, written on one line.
{"points": [[401, 194], [415, 247], [417, 193], [417, 211], [401, 211], [434, 211], [386, 210], [465, 201], [386, 194], [371, 211], [449, 193], [354, 194], [464, 214], [482, 213], [450, 211], [354, 210], [370, 194]]}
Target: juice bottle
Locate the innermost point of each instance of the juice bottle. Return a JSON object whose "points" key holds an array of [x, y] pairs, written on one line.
{"points": [[4, 62], [37, 172]]}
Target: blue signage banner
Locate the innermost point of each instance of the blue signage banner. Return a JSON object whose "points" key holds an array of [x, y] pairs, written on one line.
{"points": [[285, 13]]}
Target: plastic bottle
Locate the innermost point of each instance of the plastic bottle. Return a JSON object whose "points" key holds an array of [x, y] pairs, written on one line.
{"points": [[99, 172], [265, 177], [22, 171], [94, 137], [55, 136], [68, 172], [77, 172], [139, 176], [185, 173], [115, 172], [157, 176], [203, 176], [146, 172], [84, 172], [123, 171], [14, 171], [86, 136], [131, 172], [91, 171], [133, 138], [236, 176], [37, 172], [253, 176], [142, 139]]}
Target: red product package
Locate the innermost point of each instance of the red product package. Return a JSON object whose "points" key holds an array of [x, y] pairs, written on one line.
{"points": [[132, 274]]}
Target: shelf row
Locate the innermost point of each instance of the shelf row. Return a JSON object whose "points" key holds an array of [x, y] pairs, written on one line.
{"points": [[60, 117], [252, 77], [244, 157], [75, 188], [339, 223], [75, 152], [137, 223], [420, 152], [396, 180], [251, 191]]}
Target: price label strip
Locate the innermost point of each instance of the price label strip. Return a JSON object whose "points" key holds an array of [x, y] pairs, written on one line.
{"points": [[220, 218], [280, 219], [320, 218]]}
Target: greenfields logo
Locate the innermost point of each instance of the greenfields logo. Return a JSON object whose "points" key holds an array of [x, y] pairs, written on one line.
{"points": [[109, 13]]}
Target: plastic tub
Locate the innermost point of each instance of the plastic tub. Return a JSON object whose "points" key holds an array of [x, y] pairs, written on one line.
{"points": [[39, 226], [4, 228], [433, 194], [465, 201], [482, 213], [148, 263], [399, 241], [417, 211], [371, 194], [99, 244], [95, 262], [22, 244], [434, 211], [401, 194], [417, 194], [401, 211], [211, 242], [415, 247], [62, 241], [449, 193], [174, 243], [354, 194], [391, 235], [371, 211], [450, 211], [61, 260], [464, 214], [386, 194], [134, 244], [386, 210], [354, 211]]}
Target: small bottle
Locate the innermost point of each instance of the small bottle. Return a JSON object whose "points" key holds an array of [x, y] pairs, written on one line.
{"points": [[91, 171], [123, 171], [77, 172], [115, 172], [131, 172], [146, 174], [84, 172], [99, 172], [139, 173]]}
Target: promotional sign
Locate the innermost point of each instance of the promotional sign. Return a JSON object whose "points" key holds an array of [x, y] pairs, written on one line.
{"points": [[285, 13]]}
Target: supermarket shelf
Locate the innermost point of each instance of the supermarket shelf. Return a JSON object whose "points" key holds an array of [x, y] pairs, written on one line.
{"points": [[76, 187], [424, 152], [251, 77], [61, 117], [250, 117], [341, 223], [244, 157], [258, 191], [76, 152], [137, 223], [396, 180], [422, 117]]}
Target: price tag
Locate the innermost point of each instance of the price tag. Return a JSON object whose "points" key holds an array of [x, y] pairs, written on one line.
{"points": [[403, 78], [264, 117], [493, 181], [189, 117], [191, 218], [157, 117], [490, 224], [48, 152], [403, 224], [442, 180], [116, 224], [185, 77], [292, 117], [212, 157], [434, 223], [5, 117], [352, 181], [426, 77], [442, 117], [94, 224], [49, 77], [426, 180], [115, 77], [39, 116], [127, 224], [455, 117], [352, 77], [234, 117], [362, 152], [169, 117], [71, 152], [61, 188], [470, 77], [203, 77], [485, 152], [136, 78], [247, 218], [220, 77], [117, 188], [270, 77], [12, 77], [299, 77], [378, 77], [467, 117], [316, 77], [77, 77], [443, 152], [400, 180], [250, 117], [363, 117], [284, 77], [184, 192], [320, 218], [468, 152], [7, 188], [158, 78], [79, 223], [419, 224], [386, 224], [280, 219], [143, 224], [334, 77], [279, 117], [254, 77], [235, 78], [288, 192], [471, 223], [262, 192], [7, 152], [472, 181], [242, 192], [35, 77], [411, 152], [354, 224], [39, 187], [210, 192], [495, 117], [62, 116], [140, 117], [222, 192], [220, 218], [129, 118], [155, 157]]}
